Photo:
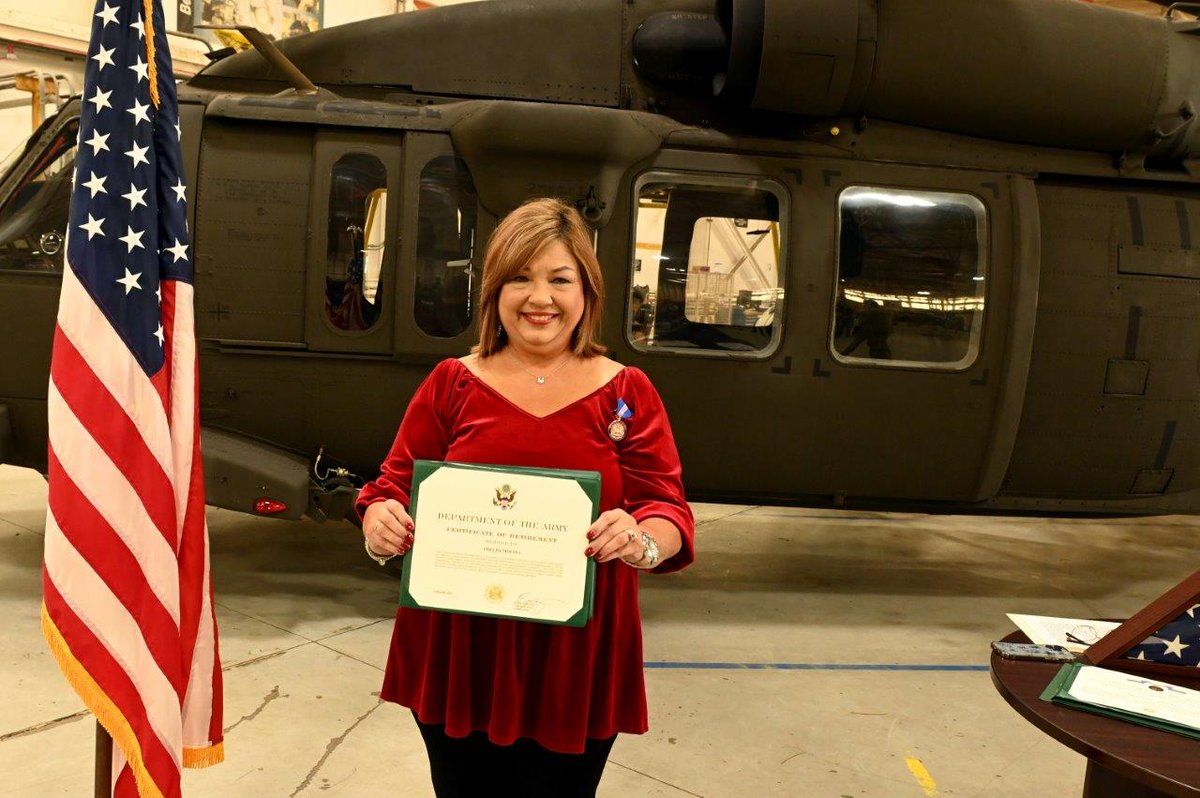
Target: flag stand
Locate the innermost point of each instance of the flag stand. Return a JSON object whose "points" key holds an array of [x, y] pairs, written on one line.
{"points": [[104, 746]]}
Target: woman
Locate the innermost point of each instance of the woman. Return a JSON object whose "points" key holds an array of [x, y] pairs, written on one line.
{"points": [[512, 707]]}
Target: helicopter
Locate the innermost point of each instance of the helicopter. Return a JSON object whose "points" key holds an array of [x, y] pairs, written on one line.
{"points": [[873, 253]]}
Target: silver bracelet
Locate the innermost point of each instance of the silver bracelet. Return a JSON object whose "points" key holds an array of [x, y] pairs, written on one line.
{"points": [[649, 553], [382, 559]]}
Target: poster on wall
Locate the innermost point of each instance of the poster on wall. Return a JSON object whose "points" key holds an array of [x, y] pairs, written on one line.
{"points": [[277, 18]]}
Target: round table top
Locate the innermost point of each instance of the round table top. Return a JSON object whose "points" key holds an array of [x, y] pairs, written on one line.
{"points": [[1164, 761]]}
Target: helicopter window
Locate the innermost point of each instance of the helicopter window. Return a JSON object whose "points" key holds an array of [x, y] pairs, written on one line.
{"points": [[355, 250], [445, 244], [706, 266], [34, 220], [911, 277]]}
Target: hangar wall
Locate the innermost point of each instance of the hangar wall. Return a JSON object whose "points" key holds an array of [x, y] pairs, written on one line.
{"points": [[50, 37]]}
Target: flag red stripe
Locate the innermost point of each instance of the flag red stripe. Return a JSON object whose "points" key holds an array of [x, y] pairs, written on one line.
{"points": [[165, 378], [125, 786], [114, 563], [108, 674], [115, 432], [216, 723], [193, 579]]}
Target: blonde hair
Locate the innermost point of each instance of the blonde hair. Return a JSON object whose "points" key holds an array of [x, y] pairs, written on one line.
{"points": [[516, 241]]}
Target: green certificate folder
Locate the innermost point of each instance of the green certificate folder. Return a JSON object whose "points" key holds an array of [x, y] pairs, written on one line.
{"points": [[1127, 697], [502, 541]]}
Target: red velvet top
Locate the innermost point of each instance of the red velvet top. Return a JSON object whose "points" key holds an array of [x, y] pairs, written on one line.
{"points": [[555, 684]]}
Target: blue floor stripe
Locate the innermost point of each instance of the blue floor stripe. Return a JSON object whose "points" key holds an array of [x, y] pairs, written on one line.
{"points": [[811, 666]]}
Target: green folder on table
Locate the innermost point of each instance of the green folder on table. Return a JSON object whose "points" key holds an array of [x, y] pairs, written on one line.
{"points": [[502, 541], [1059, 692]]}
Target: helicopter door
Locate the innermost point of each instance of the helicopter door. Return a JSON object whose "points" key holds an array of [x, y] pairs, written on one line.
{"points": [[924, 345], [34, 200], [351, 287]]}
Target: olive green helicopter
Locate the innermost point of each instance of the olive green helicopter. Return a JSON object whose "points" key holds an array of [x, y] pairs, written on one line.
{"points": [[873, 253]]}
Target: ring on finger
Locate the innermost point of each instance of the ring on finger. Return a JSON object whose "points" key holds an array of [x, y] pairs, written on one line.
{"points": [[632, 534]]}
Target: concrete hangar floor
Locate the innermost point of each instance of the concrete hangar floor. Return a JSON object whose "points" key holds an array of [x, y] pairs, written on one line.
{"points": [[806, 653]]}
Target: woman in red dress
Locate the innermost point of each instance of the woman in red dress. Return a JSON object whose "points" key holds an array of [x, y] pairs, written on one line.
{"points": [[510, 707]]}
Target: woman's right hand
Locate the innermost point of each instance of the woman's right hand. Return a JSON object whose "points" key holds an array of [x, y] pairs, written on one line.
{"points": [[388, 527]]}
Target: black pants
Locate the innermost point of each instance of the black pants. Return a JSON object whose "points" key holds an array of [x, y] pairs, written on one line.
{"points": [[475, 767]]}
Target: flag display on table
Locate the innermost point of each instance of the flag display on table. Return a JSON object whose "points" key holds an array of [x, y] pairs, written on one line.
{"points": [[127, 602], [1177, 643]]}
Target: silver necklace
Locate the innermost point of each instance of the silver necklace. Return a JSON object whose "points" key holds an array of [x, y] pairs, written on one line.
{"points": [[541, 378]]}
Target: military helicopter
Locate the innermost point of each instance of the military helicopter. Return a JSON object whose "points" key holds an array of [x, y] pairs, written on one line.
{"points": [[873, 253]]}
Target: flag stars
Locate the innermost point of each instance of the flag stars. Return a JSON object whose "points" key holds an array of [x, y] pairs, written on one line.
{"points": [[141, 68], [133, 238], [104, 57], [1175, 647], [96, 185], [139, 112], [179, 251], [180, 190], [108, 14], [98, 141], [135, 196], [178, 132], [138, 154], [130, 281], [93, 227], [140, 26], [100, 99], [159, 335], [1192, 610]]}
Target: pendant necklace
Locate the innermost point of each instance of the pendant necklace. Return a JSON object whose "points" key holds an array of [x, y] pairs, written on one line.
{"points": [[541, 378]]}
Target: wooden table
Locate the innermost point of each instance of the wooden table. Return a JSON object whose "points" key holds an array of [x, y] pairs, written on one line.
{"points": [[1124, 760]]}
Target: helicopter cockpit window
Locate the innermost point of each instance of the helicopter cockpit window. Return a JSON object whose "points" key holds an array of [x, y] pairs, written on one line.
{"points": [[911, 278], [445, 243], [706, 266], [33, 222], [355, 249]]}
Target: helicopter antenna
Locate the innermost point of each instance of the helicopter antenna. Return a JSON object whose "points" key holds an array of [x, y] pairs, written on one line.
{"points": [[273, 54]]}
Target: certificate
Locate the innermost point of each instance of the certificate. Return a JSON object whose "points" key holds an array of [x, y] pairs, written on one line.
{"points": [[1126, 696], [504, 541]]}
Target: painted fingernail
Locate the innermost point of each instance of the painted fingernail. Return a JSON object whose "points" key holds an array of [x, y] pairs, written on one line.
{"points": [[591, 534], [588, 551], [410, 540], [408, 525]]}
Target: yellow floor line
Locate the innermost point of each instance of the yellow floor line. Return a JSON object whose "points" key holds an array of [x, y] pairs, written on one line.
{"points": [[921, 774]]}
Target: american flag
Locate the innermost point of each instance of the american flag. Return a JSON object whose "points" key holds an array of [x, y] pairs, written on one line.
{"points": [[1177, 643], [127, 599]]}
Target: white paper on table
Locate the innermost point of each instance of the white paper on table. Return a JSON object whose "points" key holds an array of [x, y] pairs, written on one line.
{"points": [[1130, 693], [1049, 631]]}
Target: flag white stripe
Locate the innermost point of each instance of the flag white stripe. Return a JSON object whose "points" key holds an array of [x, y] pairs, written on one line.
{"points": [[183, 399], [198, 701], [94, 604], [99, 480], [118, 763], [93, 336]]}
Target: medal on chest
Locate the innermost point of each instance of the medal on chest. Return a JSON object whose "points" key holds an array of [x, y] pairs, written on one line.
{"points": [[617, 428]]}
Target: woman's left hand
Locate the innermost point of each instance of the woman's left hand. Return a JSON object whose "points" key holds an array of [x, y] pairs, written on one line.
{"points": [[615, 534]]}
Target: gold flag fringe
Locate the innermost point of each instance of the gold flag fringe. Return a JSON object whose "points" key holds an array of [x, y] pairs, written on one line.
{"points": [[148, 25], [205, 756], [101, 705]]}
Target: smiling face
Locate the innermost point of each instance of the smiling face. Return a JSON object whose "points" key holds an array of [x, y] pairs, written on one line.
{"points": [[543, 302]]}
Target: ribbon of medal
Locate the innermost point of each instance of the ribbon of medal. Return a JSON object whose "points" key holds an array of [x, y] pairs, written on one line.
{"points": [[617, 428]]}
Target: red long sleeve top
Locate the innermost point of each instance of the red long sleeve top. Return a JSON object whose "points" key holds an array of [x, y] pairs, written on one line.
{"points": [[557, 685]]}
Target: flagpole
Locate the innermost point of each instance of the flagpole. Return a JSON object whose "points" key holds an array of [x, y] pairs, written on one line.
{"points": [[104, 746]]}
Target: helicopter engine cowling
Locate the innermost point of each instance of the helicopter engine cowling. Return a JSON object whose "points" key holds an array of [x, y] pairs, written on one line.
{"points": [[1058, 73]]}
